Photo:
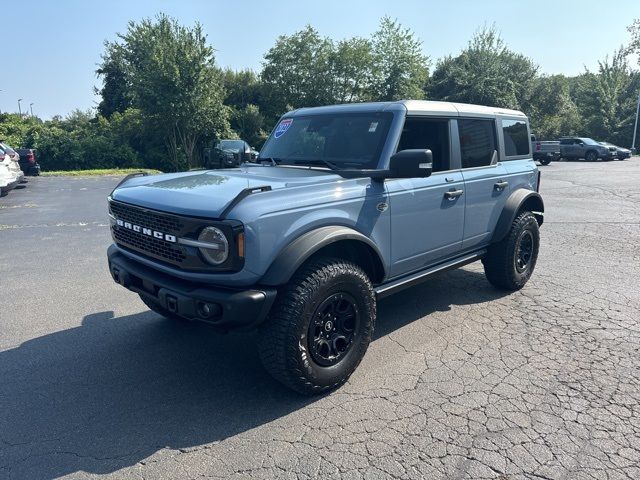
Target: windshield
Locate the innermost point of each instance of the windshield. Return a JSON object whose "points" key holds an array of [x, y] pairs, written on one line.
{"points": [[346, 140], [589, 141], [231, 144]]}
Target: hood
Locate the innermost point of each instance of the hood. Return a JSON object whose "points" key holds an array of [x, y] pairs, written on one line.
{"points": [[208, 193]]}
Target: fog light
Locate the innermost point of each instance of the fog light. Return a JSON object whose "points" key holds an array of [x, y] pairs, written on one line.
{"points": [[206, 310]]}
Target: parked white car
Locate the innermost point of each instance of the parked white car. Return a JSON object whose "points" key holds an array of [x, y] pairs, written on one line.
{"points": [[8, 177], [14, 165]]}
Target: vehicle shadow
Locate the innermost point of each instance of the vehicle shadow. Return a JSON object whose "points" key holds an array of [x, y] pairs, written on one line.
{"points": [[113, 391], [466, 286]]}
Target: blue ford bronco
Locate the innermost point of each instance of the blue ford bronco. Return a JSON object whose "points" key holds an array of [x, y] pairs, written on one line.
{"points": [[347, 204]]}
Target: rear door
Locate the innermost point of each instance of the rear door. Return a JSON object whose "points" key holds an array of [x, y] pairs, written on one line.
{"points": [[427, 214], [486, 184]]}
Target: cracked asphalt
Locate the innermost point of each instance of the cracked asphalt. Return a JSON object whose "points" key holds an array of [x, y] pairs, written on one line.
{"points": [[461, 380]]}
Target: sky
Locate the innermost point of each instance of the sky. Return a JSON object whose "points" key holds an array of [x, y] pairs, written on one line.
{"points": [[51, 52]]}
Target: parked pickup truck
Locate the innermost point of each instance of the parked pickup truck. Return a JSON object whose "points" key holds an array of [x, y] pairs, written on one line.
{"points": [[545, 151], [347, 204], [228, 153], [575, 148]]}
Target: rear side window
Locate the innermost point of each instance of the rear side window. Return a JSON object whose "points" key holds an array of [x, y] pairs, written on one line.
{"points": [[477, 142], [515, 138]]}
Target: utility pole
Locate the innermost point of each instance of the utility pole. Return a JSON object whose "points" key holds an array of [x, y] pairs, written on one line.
{"points": [[31, 108], [635, 128], [19, 107]]}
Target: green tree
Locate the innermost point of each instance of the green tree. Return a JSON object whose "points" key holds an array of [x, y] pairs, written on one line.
{"points": [[244, 92], [174, 82], [248, 123], [116, 88], [634, 45], [486, 72], [607, 99], [552, 111], [297, 72], [351, 63], [399, 69]]}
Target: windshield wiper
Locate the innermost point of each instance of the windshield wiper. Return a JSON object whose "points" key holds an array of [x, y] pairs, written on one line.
{"points": [[319, 161]]}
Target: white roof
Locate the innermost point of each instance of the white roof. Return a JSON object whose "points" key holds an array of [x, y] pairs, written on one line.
{"points": [[415, 107], [465, 109]]}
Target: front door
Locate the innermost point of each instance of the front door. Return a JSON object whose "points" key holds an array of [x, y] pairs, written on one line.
{"points": [[427, 214]]}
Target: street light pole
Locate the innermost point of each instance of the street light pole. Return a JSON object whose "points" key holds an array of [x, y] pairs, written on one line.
{"points": [[19, 107], [635, 127], [31, 108]]}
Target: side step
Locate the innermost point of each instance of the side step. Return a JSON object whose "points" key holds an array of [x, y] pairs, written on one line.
{"points": [[395, 286]]}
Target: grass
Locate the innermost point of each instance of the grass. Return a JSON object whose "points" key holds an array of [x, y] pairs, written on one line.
{"points": [[92, 173]]}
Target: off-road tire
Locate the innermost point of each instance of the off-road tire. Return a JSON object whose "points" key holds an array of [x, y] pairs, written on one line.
{"points": [[284, 344], [591, 156], [163, 312], [501, 262], [545, 161]]}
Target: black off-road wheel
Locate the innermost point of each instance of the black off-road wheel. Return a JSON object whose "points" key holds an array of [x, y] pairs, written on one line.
{"points": [[510, 262], [163, 312], [319, 327], [545, 161], [591, 156]]}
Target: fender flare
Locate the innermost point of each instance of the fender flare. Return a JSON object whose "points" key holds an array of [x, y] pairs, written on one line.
{"points": [[303, 247], [513, 205]]}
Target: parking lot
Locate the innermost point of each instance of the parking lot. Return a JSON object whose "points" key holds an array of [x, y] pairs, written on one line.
{"points": [[461, 380]]}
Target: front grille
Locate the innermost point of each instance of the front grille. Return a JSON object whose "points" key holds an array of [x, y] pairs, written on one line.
{"points": [[139, 236], [155, 220], [149, 245]]}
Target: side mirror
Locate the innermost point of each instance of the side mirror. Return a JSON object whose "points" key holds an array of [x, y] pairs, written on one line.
{"points": [[411, 164], [245, 156]]}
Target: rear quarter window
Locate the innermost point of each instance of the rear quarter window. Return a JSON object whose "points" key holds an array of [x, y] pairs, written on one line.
{"points": [[516, 138]]}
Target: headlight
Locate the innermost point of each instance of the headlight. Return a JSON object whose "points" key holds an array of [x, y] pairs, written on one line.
{"points": [[218, 251]]}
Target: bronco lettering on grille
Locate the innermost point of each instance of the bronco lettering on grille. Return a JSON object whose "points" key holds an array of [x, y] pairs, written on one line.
{"points": [[147, 231]]}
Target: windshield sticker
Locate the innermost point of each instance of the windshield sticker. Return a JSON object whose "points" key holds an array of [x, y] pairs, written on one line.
{"points": [[282, 127], [373, 126]]}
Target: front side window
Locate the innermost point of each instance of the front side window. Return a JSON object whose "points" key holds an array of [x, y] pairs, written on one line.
{"points": [[427, 134], [477, 142], [347, 140], [515, 138]]}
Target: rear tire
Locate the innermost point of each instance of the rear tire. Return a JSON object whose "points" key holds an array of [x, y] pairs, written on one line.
{"points": [[545, 161], [510, 262], [319, 327]]}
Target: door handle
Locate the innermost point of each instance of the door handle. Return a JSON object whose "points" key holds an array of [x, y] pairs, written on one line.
{"points": [[453, 194], [500, 185]]}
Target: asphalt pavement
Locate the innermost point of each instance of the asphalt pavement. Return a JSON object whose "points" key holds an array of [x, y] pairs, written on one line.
{"points": [[461, 380]]}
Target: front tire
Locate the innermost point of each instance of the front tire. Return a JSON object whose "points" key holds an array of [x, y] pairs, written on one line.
{"points": [[591, 156], [319, 327], [510, 262], [545, 161]]}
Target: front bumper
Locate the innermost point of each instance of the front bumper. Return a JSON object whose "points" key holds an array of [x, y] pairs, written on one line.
{"points": [[228, 308], [10, 185]]}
